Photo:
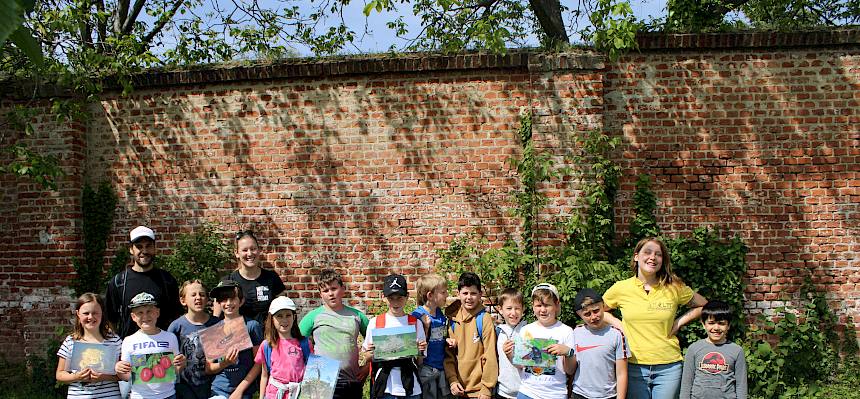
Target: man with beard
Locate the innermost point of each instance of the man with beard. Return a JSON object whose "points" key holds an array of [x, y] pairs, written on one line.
{"points": [[142, 276]]}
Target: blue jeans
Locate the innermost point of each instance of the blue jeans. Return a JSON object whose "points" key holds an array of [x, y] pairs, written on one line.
{"points": [[390, 396], [521, 395], [659, 381]]}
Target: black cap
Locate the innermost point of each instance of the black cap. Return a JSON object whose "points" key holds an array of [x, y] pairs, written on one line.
{"points": [[394, 284], [586, 297], [223, 285]]}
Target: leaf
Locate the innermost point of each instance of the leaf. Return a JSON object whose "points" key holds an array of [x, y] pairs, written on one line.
{"points": [[11, 17], [24, 40]]}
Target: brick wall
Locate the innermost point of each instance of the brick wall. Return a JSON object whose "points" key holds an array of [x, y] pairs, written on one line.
{"points": [[370, 165]]}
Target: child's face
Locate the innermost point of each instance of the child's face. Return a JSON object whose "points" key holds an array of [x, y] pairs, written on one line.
{"points": [[247, 252], [332, 295], [195, 298], [395, 303], [90, 316], [284, 320], [470, 297], [230, 304], [649, 259], [512, 312], [717, 330], [545, 313], [145, 317], [592, 315], [438, 296]]}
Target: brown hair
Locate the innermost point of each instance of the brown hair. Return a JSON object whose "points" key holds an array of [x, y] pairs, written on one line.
{"points": [[545, 296], [665, 275], [189, 282], [426, 284], [510, 294], [104, 326], [271, 333], [328, 276]]}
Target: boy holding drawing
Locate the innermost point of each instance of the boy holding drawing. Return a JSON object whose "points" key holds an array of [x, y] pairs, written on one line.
{"points": [[334, 329], [394, 365], [145, 355], [236, 374]]}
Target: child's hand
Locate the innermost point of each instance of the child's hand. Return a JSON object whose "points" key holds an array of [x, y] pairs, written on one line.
{"points": [[84, 375], [96, 376], [558, 350], [179, 361], [451, 342], [422, 346], [231, 358], [508, 348], [122, 367], [368, 352], [457, 389]]}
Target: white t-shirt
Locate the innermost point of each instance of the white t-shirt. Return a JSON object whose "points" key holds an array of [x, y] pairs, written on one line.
{"points": [[90, 390], [394, 385], [544, 386], [509, 376], [141, 343]]}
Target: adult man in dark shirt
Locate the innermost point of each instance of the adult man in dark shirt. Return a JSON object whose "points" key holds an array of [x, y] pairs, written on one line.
{"points": [[142, 276]]}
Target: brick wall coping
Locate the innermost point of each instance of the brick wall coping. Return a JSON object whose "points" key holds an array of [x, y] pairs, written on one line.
{"points": [[695, 41]]}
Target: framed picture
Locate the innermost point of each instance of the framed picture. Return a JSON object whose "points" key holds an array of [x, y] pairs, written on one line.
{"points": [[320, 378], [153, 368], [100, 358], [394, 343], [531, 352], [217, 340]]}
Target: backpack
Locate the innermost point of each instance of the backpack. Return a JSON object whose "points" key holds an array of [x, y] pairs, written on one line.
{"points": [[480, 324], [304, 343]]}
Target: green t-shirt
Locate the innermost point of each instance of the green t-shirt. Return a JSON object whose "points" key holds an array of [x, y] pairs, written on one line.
{"points": [[335, 335]]}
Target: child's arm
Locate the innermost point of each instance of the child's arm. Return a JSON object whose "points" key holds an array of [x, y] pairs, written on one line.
{"points": [[68, 376], [611, 319], [249, 379], [264, 380], [688, 374], [228, 360], [741, 375], [621, 378], [694, 313], [179, 362], [123, 370]]}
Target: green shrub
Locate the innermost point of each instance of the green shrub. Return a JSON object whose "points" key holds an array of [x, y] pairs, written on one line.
{"points": [[202, 255], [97, 211]]}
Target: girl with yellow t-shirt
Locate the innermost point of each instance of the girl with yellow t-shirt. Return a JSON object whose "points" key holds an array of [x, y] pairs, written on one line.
{"points": [[648, 302]]}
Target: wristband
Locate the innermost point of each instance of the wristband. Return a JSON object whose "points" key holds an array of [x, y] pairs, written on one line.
{"points": [[570, 352]]}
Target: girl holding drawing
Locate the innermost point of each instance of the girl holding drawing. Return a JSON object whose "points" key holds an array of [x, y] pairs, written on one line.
{"points": [[283, 353], [546, 378], [89, 370]]}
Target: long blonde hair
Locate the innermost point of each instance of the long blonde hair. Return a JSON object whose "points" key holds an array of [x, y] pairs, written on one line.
{"points": [[665, 275]]}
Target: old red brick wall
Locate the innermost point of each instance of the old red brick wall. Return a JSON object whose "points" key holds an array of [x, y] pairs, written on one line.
{"points": [[370, 165]]}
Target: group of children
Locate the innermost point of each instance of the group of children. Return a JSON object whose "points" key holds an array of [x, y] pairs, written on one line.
{"points": [[462, 353]]}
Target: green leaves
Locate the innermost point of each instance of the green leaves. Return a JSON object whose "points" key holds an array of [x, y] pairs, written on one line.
{"points": [[97, 210], [199, 255], [12, 28]]}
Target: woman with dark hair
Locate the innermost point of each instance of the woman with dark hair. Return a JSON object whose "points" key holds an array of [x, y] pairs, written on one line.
{"points": [[648, 302], [259, 286]]}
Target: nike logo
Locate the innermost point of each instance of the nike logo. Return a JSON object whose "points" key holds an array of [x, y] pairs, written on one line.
{"points": [[585, 348]]}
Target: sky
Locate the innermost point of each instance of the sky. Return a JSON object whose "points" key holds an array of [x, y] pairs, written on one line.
{"points": [[381, 38]]}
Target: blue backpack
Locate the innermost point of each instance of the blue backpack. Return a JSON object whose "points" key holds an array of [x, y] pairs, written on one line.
{"points": [[267, 350], [479, 321]]}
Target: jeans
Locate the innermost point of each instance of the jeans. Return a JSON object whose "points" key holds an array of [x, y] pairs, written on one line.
{"points": [[659, 381], [433, 383], [523, 396], [390, 396]]}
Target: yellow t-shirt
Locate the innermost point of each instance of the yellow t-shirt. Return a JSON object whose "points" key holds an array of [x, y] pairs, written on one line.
{"points": [[648, 318]]}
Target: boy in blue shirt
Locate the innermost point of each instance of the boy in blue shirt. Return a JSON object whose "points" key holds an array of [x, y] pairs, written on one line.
{"points": [[432, 293]]}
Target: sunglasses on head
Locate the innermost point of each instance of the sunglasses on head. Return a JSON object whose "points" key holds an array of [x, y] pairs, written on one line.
{"points": [[245, 233]]}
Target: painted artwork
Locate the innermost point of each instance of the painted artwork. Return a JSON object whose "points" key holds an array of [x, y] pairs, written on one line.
{"points": [[395, 343], [153, 368], [531, 352], [100, 358], [320, 378], [220, 338]]}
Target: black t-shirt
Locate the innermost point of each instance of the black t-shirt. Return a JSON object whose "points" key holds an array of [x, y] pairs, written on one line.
{"points": [[128, 283], [258, 293]]}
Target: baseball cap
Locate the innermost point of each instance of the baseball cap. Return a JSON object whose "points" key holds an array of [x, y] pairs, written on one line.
{"points": [[394, 284], [547, 286], [281, 303], [223, 285], [586, 297], [142, 299], [141, 232]]}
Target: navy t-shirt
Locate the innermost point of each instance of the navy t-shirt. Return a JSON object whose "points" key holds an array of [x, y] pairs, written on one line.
{"points": [[228, 379], [436, 337], [194, 372]]}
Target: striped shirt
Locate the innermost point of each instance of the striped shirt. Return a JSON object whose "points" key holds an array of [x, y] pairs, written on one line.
{"points": [[90, 390]]}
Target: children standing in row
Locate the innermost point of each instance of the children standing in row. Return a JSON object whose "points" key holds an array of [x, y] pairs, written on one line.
{"points": [[715, 367], [194, 382], [432, 294]]}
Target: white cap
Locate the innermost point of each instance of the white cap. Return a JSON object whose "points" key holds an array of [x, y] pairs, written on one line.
{"points": [[141, 232], [547, 286], [280, 303]]}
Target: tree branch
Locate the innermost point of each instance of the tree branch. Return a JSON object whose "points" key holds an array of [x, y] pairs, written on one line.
{"points": [[163, 21], [132, 17], [120, 15]]}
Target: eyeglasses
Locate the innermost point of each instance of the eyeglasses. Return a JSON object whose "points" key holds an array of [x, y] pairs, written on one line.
{"points": [[245, 233]]}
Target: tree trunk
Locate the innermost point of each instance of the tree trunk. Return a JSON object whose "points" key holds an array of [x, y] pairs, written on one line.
{"points": [[548, 13]]}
